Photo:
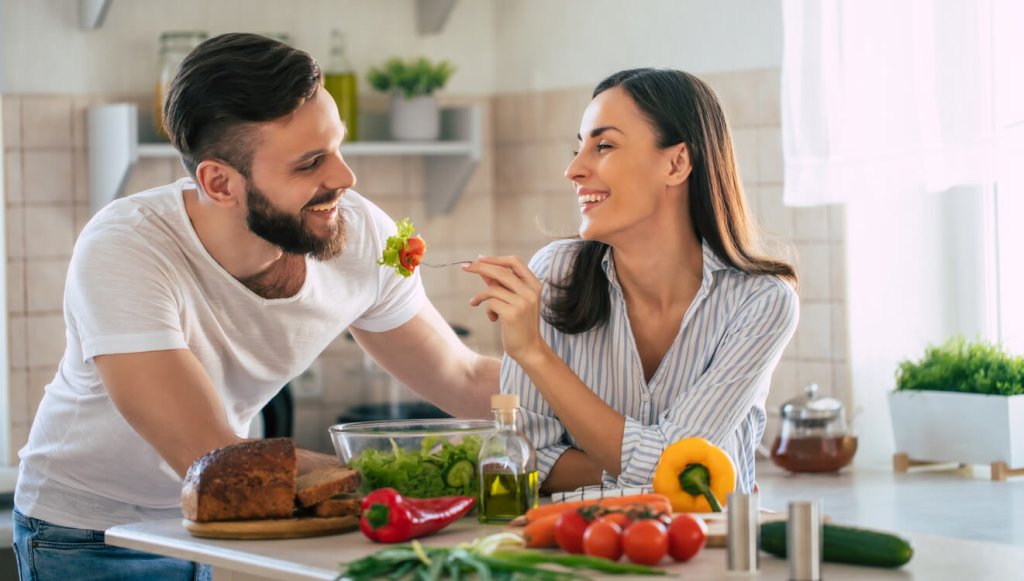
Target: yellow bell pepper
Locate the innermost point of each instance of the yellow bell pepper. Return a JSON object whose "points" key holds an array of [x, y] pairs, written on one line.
{"points": [[695, 475]]}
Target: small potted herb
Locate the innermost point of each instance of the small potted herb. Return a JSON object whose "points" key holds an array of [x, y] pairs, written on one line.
{"points": [[412, 83], [962, 402]]}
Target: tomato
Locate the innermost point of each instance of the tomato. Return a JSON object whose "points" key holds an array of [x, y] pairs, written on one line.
{"points": [[620, 518], [645, 542], [569, 529], [603, 538], [411, 254], [686, 537]]}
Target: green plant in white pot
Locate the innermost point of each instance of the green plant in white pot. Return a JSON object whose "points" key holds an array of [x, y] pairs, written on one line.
{"points": [[411, 83], [962, 402]]}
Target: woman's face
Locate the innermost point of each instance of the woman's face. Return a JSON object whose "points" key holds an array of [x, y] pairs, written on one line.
{"points": [[620, 174]]}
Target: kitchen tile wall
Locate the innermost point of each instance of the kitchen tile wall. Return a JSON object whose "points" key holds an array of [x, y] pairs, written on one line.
{"points": [[518, 189]]}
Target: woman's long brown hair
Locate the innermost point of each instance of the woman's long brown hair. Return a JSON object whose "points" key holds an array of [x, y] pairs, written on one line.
{"points": [[682, 109]]}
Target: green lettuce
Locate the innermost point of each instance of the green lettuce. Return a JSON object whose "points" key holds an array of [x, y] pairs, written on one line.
{"points": [[420, 473], [396, 243]]}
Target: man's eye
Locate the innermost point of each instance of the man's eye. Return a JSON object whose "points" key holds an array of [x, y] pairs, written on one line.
{"points": [[311, 165]]}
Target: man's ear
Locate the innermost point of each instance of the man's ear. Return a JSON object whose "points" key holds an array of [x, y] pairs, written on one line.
{"points": [[679, 164], [223, 184]]}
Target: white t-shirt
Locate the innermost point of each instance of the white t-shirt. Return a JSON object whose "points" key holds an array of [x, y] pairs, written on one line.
{"points": [[140, 280]]}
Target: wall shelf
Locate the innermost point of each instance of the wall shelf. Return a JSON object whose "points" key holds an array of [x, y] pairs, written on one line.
{"points": [[114, 148]]}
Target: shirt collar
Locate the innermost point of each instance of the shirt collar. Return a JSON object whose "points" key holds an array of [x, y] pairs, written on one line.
{"points": [[712, 264]]}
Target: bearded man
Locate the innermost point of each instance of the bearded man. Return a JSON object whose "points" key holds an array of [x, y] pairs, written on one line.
{"points": [[190, 305]]}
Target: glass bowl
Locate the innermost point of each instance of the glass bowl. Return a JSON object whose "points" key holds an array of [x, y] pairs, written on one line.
{"points": [[418, 458]]}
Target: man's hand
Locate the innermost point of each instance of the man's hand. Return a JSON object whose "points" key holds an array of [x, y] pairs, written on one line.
{"points": [[167, 397], [426, 355]]}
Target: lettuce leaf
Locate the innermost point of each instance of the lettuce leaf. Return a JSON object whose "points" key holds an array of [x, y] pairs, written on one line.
{"points": [[419, 473], [396, 243]]}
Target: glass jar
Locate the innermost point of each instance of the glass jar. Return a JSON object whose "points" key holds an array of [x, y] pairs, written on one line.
{"points": [[506, 466], [174, 47], [813, 436]]}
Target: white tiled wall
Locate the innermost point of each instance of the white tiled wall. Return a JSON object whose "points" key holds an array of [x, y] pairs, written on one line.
{"points": [[515, 202]]}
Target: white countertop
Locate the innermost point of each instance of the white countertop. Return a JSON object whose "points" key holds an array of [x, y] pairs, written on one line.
{"points": [[935, 558], [937, 512]]}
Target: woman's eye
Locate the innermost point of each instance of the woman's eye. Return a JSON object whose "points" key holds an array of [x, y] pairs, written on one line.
{"points": [[603, 146], [575, 152]]}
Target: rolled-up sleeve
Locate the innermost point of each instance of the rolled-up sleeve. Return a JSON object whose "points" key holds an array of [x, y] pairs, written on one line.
{"points": [[720, 401], [537, 419]]}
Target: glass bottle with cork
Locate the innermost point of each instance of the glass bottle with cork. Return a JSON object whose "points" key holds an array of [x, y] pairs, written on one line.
{"points": [[507, 466], [174, 47], [340, 82]]}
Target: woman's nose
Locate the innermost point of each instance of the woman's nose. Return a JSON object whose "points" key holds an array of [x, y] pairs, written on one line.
{"points": [[575, 170]]}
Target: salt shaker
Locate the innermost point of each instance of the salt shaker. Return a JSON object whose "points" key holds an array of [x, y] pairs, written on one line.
{"points": [[803, 540], [742, 533]]}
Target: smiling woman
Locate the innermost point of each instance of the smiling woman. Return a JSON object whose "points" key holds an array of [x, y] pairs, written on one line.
{"points": [[664, 321]]}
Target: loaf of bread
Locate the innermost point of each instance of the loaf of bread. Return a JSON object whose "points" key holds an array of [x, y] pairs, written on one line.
{"points": [[251, 480], [323, 483], [341, 505]]}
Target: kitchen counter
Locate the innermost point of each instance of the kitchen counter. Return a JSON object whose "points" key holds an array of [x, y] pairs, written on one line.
{"points": [[935, 558], [938, 511]]}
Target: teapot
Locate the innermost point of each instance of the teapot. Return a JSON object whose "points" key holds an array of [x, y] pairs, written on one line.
{"points": [[813, 436]]}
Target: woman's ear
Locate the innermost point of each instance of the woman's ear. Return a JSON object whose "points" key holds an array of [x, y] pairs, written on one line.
{"points": [[223, 184], [680, 167]]}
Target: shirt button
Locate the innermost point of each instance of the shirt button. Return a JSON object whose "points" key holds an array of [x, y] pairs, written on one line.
{"points": [[645, 397]]}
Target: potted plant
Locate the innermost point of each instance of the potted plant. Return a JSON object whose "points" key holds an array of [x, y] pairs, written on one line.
{"points": [[962, 402], [411, 83]]}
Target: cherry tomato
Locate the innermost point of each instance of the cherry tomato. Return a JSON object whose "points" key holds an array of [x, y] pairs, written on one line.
{"points": [[686, 537], [645, 542], [411, 254], [603, 538], [620, 518], [569, 529]]}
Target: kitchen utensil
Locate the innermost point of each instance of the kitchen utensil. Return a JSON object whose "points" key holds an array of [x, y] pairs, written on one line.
{"points": [[453, 263], [284, 528], [742, 528], [813, 436], [803, 539]]}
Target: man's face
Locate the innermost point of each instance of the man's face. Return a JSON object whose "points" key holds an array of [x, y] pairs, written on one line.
{"points": [[298, 178], [290, 232]]}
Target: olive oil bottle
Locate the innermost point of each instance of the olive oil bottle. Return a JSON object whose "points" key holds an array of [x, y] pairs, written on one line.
{"points": [[340, 82], [507, 466]]}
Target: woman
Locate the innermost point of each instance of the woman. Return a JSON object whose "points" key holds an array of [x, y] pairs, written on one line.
{"points": [[663, 321]]}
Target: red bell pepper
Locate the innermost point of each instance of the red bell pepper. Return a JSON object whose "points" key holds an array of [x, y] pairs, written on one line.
{"points": [[389, 517]]}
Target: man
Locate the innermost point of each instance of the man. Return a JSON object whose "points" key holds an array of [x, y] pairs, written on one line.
{"points": [[188, 307]]}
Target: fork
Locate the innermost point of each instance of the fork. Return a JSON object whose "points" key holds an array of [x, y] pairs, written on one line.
{"points": [[453, 263]]}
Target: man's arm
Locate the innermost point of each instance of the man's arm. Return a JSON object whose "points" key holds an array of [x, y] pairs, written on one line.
{"points": [[168, 398], [426, 355]]}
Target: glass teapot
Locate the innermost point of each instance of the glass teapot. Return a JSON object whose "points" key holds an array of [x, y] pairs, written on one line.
{"points": [[813, 436]]}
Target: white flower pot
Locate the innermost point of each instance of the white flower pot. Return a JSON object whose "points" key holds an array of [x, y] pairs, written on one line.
{"points": [[416, 119], [965, 428]]}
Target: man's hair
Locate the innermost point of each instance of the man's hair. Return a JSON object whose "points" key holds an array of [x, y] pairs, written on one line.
{"points": [[228, 84]]}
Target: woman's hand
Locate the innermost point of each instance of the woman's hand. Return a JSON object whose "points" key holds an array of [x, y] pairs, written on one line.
{"points": [[513, 298]]}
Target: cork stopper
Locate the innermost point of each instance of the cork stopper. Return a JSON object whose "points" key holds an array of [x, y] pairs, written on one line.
{"points": [[504, 401]]}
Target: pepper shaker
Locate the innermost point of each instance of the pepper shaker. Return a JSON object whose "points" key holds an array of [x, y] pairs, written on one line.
{"points": [[743, 530], [803, 540]]}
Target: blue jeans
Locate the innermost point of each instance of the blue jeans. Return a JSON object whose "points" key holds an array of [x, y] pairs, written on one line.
{"points": [[47, 552]]}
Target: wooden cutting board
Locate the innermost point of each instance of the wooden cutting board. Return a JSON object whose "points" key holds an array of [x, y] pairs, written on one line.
{"points": [[285, 528], [717, 525]]}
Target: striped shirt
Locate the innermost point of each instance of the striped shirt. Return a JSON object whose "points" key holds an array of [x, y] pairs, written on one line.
{"points": [[712, 382]]}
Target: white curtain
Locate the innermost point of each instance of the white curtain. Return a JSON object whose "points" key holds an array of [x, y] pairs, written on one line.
{"points": [[884, 98]]}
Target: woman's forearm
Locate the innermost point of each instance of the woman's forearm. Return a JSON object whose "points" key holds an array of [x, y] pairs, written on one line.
{"points": [[595, 426], [572, 470]]}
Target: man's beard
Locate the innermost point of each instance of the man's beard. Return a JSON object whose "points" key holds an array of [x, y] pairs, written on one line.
{"points": [[289, 232]]}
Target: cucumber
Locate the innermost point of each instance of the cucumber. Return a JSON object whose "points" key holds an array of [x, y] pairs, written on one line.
{"points": [[843, 544], [460, 474]]}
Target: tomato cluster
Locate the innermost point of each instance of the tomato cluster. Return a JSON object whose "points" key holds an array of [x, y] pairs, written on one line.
{"points": [[643, 537]]}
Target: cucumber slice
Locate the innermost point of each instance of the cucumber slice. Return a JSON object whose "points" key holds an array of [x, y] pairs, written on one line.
{"points": [[460, 474]]}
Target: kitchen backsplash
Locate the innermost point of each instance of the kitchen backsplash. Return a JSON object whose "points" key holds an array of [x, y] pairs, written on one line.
{"points": [[518, 189]]}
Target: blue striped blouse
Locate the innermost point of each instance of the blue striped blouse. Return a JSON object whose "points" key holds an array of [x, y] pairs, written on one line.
{"points": [[712, 383]]}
